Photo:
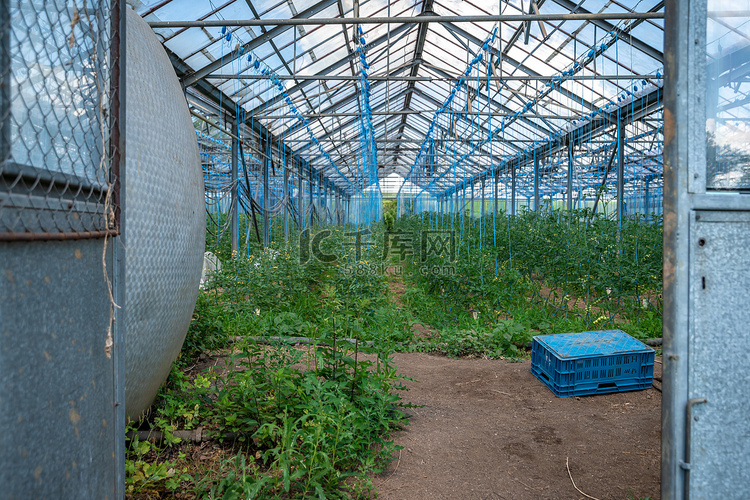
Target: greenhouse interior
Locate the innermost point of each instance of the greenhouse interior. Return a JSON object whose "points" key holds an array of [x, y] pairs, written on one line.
{"points": [[404, 249]]}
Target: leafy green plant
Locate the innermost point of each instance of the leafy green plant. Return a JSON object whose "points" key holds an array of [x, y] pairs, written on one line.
{"points": [[292, 423], [506, 339], [143, 473]]}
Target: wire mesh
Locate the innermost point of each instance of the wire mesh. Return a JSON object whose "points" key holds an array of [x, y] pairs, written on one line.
{"points": [[57, 164]]}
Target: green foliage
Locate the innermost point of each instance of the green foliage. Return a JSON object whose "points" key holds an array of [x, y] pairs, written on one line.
{"points": [[576, 269], [293, 423], [313, 422], [312, 428], [143, 472], [506, 339]]}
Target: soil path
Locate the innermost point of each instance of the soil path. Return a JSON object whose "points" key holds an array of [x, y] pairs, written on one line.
{"points": [[486, 429]]}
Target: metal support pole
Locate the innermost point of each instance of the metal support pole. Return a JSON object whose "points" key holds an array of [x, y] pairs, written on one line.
{"points": [[482, 184], [266, 194], [646, 203], [472, 202], [463, 202], [312, 201], [286, 203], [513, 191], [571, 161], [677, 213], [322, 198], [355, 14], [235, 202], [536, 182], [497, 182], [300, 220], [337, 210], [620, 170]]}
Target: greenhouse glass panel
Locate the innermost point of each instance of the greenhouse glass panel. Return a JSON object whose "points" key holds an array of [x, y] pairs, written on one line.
{"points": [[727, 107]]}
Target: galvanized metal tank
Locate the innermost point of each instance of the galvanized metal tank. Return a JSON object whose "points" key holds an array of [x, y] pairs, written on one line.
{"points": [[164, 219]]}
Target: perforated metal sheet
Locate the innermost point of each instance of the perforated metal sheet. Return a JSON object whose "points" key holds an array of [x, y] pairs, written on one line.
{"points": [[164, 222], [719, 352]]}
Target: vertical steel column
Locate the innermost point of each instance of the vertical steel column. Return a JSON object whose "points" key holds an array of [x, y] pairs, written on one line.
{"points": [[300, 219], [286, 203], [513, 190], [266, 195], [620, 170], [355, 13], [323, 198], [536, 182], [312, 201], [472, 202], [496, 181], [646, 203], [328, 196], [571, 161], [338, 208], [678, 40], [463, 202], [326, 193], [482, 211], [235, 202]]}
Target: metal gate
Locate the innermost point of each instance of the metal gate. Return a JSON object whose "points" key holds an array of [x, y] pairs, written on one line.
{"points": [[705, 425]]}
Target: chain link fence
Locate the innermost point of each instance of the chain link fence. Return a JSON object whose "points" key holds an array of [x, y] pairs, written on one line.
{"points": [[59, 69]]}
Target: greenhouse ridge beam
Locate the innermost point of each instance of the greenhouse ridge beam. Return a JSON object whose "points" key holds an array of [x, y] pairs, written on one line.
{"points": [[408, 20], [425, 78], [343, 78], [428, 14]]}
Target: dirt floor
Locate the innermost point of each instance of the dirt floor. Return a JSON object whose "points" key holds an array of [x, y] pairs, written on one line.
{"points": [[486, 429]]}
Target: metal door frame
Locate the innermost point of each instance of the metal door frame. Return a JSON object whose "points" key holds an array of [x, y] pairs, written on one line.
{"points": [[684, 194]]}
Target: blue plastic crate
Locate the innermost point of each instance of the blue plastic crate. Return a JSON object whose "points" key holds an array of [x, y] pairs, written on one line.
{"points": [[598, 362]]}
